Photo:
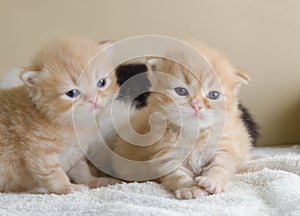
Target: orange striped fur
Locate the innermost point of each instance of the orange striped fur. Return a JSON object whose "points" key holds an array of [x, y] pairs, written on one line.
{"points": [[209, 165], [38, 146]]}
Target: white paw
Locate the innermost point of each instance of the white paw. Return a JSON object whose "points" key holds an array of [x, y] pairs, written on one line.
{"points": [[210, 184], [190, 193], [103, 181], [72, 188]]}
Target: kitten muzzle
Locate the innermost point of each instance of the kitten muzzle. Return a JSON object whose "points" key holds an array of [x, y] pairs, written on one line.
{"points": [[197, 106]]}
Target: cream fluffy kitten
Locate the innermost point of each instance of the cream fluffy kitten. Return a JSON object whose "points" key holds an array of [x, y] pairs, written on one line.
{"points": [[190, 137], [67, 84]]}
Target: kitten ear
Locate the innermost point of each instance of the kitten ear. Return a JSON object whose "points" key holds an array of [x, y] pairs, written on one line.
{"points": [[103, 42], [30, 77], [152, 64], [107, 47], [242, 78]]}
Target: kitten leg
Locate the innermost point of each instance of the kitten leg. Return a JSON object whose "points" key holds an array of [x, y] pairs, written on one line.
{"points": [[182, 183], [49, 174], [219, 171], [80, 174]]}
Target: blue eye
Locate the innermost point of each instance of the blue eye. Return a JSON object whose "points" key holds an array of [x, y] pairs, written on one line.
{"points": [[181, 91], [102, 83], [73, 93], [213, 95]]}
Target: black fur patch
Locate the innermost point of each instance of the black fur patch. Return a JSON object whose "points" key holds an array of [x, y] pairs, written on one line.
{"points": [[250, 124], [133, 88]]}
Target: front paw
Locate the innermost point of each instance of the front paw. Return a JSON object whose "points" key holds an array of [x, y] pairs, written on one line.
{"points": [[190, 193], [72, 188], [103, 181], [210, 184]]}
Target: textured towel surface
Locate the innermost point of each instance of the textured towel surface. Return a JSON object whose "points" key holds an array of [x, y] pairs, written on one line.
{"points": [[269, 186]]}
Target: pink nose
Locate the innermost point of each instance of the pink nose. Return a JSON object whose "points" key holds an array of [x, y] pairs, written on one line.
{"points": [[94, 103], [196, 106]]}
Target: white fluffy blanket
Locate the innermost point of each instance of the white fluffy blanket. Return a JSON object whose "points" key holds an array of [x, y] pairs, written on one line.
{"points": [[270, 186]]}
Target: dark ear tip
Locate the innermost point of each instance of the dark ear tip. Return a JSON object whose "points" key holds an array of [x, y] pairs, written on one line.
{"points": [[104, 42]]}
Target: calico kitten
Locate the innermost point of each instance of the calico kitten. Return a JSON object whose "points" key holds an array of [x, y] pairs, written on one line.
{"points": [[134, 84], [68, 83], [178, 148]]}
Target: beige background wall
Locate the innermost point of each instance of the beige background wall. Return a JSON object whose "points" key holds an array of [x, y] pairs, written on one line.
{"points": [[261, 37]]}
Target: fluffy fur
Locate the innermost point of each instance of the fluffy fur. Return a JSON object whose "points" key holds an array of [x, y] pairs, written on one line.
{"points": [[39, 147], [137, 91], [185, 159]]}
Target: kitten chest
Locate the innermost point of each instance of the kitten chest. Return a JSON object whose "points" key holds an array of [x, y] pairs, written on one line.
{"points": [[70, 155], [200, 156]]}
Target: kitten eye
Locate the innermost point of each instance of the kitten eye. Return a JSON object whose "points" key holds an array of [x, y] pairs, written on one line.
{"points": [[213, 95], [181, 91], [102, 83], [73, 93]]}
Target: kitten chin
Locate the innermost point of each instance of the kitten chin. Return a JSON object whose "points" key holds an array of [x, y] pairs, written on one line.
{"points": [[41, 143], [192, 126]]}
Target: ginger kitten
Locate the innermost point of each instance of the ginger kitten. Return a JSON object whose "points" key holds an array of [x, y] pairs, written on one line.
{"points": [[67, 83], [190, 137]]}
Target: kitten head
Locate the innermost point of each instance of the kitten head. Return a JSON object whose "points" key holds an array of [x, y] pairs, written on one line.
{"points": [[194, 92], [71, 76]]}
